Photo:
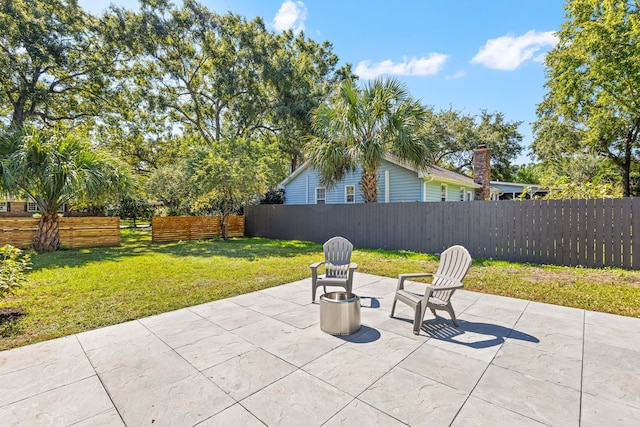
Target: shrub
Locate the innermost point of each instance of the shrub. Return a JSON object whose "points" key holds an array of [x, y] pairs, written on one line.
{"points": [[13, 264]]}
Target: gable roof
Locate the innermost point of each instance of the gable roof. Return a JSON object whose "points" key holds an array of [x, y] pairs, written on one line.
{"points": [[433, 172]]}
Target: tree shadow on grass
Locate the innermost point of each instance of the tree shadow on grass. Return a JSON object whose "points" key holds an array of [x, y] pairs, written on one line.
{"points": [[10, 321], [250, 249]]}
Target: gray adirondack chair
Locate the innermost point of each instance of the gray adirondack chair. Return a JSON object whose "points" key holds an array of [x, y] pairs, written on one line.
{"points": [[338, 266], [454, 265]]}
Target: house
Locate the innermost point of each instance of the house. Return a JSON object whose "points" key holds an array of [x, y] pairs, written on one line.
{"points": [[397, 182], [400, 182], [15, 207], [12, 207], [501, 190]]}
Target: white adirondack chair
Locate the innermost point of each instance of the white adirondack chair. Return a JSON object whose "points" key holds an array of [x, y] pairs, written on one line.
{"points": [[454, 265], [338, 266]]}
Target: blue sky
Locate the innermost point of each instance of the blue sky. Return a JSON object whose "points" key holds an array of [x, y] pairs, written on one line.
{"points": [[466, 54]]}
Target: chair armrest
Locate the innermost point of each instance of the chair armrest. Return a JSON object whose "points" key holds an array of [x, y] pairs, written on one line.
{"points": [[444, 288], [403, 277], [316, 265], [353, 266]]}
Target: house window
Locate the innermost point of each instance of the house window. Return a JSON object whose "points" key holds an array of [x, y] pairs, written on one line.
{"points": [[469, 196], [320, 196], [350, 194], [3, 207], [462, 194], [32, 207], [443, 192]]}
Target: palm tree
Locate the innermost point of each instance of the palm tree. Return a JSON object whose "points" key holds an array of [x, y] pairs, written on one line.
{"points": [[53, 170], [358, 126]]}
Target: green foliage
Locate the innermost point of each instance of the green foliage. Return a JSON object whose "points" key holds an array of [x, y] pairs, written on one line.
{"points": [[54, 64], [274, 196], [228, 175], [54, 169], [134, 208], [13, 264], [591, 107], [170, 185], [358, 126], [456, 135]]}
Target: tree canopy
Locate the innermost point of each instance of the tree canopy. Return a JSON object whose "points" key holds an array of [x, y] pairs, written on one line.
{"points": [[592, 107], [54, 64], [53, 169], [456, 135], [358, 126]]}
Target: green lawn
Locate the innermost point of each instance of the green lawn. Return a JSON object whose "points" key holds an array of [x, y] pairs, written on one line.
{"points": [[77, 290]]}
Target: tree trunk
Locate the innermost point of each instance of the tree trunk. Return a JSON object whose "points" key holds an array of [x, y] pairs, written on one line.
{"points": [[224, 225], [48, 234], [369, 186]]}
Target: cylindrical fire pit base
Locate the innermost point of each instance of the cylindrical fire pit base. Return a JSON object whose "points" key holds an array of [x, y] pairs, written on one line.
{"points": [[340, 313]]}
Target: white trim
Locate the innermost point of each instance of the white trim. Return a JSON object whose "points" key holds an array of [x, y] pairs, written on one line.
{"points": [[293, 175], [463, 193], [470, 195], [387, 185], [324, 201], [346, 194], [445, 187]]}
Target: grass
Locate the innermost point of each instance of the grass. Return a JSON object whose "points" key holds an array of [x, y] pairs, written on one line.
{"points": [[76, 290]]}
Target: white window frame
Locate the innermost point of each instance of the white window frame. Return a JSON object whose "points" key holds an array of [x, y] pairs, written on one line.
{"points": [[322, 201], [4, 207], [32, 207], [463, 193], [346, 193], [443, 192], [469, 196]]}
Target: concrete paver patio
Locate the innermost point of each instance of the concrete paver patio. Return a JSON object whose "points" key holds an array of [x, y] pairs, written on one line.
{"points": [[261, 359]]}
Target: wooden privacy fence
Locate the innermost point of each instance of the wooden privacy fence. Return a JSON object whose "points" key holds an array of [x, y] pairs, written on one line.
{"points": [[175, 228], [592, 233], [86, 232]]}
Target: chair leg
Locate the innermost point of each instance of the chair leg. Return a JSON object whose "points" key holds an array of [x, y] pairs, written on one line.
{"points": [[313, 292], [393, 307], [449, 308], [417, 319]]}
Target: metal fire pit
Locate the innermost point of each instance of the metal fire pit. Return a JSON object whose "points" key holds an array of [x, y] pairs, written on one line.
{"points": [[340, 313]]}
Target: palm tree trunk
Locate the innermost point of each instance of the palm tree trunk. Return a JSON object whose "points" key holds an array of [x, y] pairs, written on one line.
{"points": [[48, 234], [369, 186]]}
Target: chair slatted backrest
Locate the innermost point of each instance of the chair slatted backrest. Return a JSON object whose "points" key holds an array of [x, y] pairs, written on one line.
{"points": [[454, 265], [337, 257]]}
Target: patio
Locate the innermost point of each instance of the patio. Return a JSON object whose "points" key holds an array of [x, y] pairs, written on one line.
{"points": [[261, 358]]}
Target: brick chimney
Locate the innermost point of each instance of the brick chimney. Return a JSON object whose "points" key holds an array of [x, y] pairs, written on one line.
{"points": [[482, 172]]}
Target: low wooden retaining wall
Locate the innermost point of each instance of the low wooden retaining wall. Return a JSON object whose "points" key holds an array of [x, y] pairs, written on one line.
{"points": [[175, 228], [87, 232]]}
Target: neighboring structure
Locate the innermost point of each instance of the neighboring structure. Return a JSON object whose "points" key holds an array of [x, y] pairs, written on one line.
{"points": [[13, 207], [397, 182], [512, 190]]}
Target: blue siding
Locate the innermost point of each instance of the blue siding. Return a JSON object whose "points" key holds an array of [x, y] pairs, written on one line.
{"points": [[404, 186], [296, 190]]}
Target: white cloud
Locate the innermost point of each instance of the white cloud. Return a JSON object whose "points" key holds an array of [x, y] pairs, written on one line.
{"points": [[424, 66], [290, 16], [508, 52], [456, 75]]}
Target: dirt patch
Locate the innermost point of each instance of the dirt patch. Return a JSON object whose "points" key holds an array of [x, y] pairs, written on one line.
{"points": [[537, 274], [9, 314]]}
